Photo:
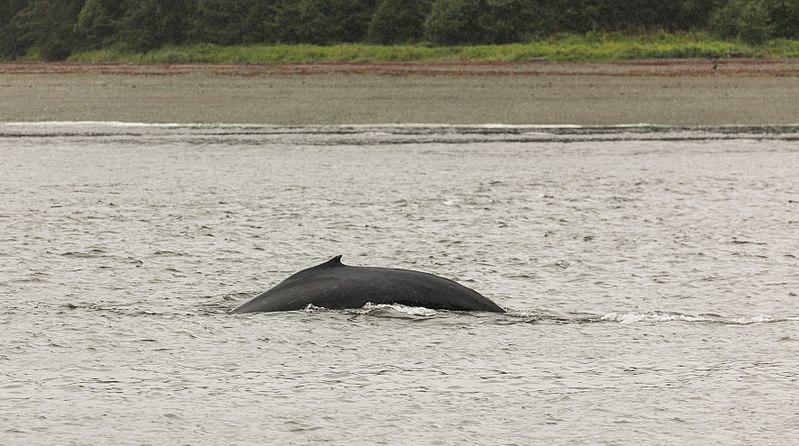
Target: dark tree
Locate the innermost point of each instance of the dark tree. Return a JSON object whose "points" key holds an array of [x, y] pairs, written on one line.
{"points": [[230, 22], [322, 21], [784, 15], [399, 21], [693, 14], [45, 28], [98, 23], [150, 24], [453, 22], [572, 16], [508, 21], [746, 20], [9, 34]]}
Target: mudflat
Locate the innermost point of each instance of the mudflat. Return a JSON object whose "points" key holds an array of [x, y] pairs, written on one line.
{"points": [[681, 92]]}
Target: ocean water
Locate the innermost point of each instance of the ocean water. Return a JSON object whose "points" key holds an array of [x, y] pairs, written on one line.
{"points": [[650, 276]]}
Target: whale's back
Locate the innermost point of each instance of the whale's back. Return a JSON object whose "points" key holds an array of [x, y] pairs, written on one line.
{"points": [[334, 285]]}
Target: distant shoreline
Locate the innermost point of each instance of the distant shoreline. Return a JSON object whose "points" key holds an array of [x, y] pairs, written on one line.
{"points": [[687, 92], [695, 67]]}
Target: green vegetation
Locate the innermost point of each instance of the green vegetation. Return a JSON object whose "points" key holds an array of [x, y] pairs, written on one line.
{"points": [[268, 30], [557, 48]]}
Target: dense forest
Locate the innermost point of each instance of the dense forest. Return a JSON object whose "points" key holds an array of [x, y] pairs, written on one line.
{"points": [[54, 29]]}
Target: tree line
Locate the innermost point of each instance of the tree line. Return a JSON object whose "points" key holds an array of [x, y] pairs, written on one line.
{"points": [[54, 29]]}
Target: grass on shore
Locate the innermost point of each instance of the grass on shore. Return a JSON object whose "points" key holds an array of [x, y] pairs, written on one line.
{"points": [[589, 47]]}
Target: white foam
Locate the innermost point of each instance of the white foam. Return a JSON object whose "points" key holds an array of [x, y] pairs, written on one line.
{"points": [[413, 311], [655, 316]]}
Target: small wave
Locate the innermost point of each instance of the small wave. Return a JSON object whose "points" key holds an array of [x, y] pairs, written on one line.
{"points": [[371, 308], [385, 310], [168, 253], [652, 317], [94, 123], [409, 133], [85, 255], [657, 316]]}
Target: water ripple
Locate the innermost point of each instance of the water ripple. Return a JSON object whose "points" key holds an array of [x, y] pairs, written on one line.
{"points": [[649, 273]]}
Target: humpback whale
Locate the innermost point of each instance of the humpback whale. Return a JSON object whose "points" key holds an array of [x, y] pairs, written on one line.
{"points": [[336, 286]]}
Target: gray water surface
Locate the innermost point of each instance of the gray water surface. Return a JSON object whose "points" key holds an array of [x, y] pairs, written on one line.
{"points": [[650, 276]]}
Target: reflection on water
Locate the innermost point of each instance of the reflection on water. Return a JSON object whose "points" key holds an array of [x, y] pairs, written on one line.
{"points": [[650, 275]]}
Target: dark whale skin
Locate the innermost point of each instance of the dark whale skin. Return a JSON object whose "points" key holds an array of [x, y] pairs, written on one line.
{"points": [[336, 286]]}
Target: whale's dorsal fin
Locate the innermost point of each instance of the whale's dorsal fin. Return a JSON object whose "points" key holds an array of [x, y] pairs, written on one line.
{"points": [[335, 261]]}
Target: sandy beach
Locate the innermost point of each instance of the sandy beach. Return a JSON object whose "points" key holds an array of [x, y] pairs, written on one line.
{"points": [[685, 93]]}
